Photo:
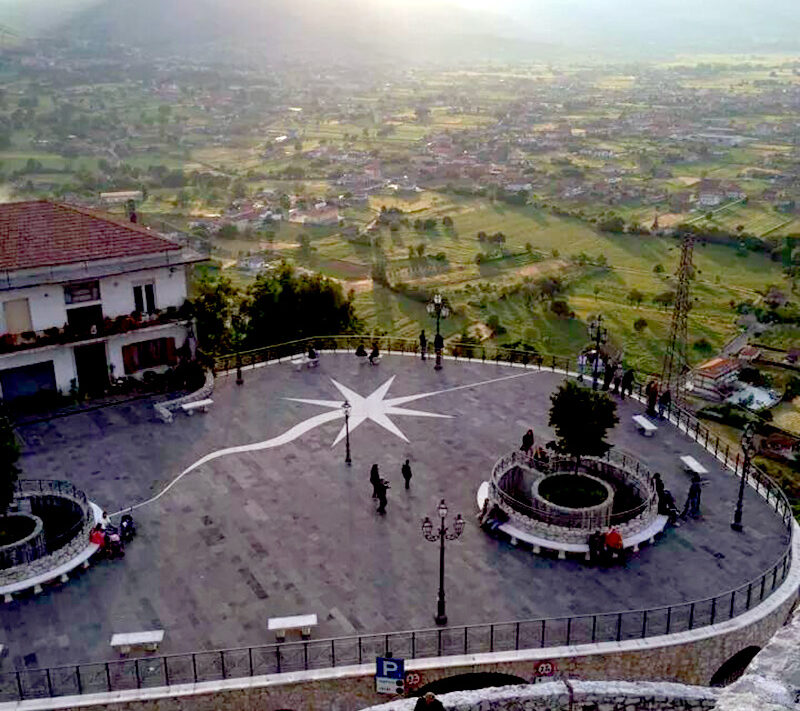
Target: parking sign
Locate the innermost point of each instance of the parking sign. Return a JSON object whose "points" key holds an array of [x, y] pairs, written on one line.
{"points": [[389, 675]]}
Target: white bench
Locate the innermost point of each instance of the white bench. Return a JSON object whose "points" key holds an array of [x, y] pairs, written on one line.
{"points": [[645, 427], [633, 542], [201, 405], [304, 623], [299, 361], [690, 464], [150, 640], [483, 494], [61, 573]]}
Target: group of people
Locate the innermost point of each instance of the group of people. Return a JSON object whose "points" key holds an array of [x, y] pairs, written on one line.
{"points": [[615, 376], [655, 399], [373, 356], [110, 539], [666, 502], [380, 485], [539, 455]]}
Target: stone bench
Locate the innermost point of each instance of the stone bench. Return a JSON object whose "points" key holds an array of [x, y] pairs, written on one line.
{"points": [[692, 466], [645, 427], [631, 542], [280, 625], [149, 640], [299, 361], [201, 405]]}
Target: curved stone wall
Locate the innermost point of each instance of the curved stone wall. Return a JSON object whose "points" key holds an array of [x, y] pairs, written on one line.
{"points": [[78, 537], [601, 513], [27, 549]]}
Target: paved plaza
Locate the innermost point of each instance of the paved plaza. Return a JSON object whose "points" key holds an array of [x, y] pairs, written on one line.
{"points": [[288, 528]]}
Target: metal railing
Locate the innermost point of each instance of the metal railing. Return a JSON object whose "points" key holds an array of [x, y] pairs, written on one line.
{"points": [[165, 670], [53, 542]]}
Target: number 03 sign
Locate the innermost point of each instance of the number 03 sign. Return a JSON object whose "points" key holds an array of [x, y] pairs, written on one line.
{"points": [[544, 669]]}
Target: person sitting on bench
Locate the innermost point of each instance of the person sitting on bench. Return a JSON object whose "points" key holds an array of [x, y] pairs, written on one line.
{"points": [[97, 536], [375, 354], [312, 354], [361, 352], [613, 541], [492, 519], [667, 507]]}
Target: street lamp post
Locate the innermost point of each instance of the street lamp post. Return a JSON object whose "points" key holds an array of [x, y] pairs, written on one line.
{"points": [[600, 335], [346, 406], [239, 323], [440, 535], [749, 450], [438, 307]]}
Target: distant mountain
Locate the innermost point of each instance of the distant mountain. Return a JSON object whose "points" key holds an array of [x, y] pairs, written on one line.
{"points": [[414, 31]]}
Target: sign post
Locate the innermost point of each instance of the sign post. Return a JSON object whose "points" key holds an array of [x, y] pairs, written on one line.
{"points": [[389, 675]]}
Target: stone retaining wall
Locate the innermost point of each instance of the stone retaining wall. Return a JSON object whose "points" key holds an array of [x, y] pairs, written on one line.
{"points": [[165, 409], [574, 695]]}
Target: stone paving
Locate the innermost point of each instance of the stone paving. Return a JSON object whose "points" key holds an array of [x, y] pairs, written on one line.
{"points": [[293, 529]]}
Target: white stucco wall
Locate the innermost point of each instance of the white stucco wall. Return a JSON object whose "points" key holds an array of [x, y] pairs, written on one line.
{"points": [[61, 356], [48, 308]]}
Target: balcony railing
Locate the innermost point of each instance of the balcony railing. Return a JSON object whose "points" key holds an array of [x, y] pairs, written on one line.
{"points": [[13, 342]]}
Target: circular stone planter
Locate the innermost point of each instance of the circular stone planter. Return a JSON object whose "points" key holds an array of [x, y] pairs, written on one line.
{"points": [[573, 491], [593, 516], [27, 548]]}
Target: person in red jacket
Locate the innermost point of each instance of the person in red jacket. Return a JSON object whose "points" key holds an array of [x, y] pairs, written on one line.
{"points": [[97, 536]]}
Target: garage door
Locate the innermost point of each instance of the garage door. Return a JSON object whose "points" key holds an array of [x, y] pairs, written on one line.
{"points": [[27, 380]]}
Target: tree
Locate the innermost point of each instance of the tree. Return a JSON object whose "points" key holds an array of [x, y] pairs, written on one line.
{"points": [[581, 418], [658, 269], [213, 308], [283, 305], [636, 297], [420, 249], [560, 308], [9, 454], [447, 221], [639, 324], [612, 224]]}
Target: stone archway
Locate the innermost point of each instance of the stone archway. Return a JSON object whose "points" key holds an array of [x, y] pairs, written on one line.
{"points": [[468, 682], [734, 667]]}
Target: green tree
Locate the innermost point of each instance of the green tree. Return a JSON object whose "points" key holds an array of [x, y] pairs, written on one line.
{"points": [[639, 324], [213, 308], [9, 454], [420, 249], [581, 418], [658, 269], [636, 297], [284, 306]]}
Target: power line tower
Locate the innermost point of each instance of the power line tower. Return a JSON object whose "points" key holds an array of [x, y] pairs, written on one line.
{"points": [[676, 361]]}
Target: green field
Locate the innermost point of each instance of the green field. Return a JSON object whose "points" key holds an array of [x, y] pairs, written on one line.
{"points": [[477, 292]]}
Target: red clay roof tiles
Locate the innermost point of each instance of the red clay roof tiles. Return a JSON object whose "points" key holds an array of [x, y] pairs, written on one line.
{"points": [[42, 233]]}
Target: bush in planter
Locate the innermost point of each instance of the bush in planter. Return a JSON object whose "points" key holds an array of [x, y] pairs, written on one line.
{"points": [[7, 342], [28, 335]]}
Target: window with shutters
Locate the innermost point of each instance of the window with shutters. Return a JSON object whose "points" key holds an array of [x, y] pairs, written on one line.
{"points": [[148, 354]]}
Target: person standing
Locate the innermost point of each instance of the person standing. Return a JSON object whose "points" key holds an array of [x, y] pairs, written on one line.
{"points": [[608, 373], [627, 383], [664, 403], [527, 442], [581, 366], [423, 343], [617, 379], [381, 488], [374, 479], [438, 344], [692, 507], [652, 397], [406, 471]]}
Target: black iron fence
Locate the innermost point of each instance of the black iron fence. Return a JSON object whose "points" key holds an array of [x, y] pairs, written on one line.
{"points": [[125, 674]]}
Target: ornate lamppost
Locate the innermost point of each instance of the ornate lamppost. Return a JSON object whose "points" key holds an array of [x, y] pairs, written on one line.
{"points": [[439, 308], [749, 450], [440, 535], [599, 335], [346, 406]]}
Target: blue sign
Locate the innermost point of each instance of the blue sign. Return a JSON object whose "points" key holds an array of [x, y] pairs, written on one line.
{"points": [[389, 668]]}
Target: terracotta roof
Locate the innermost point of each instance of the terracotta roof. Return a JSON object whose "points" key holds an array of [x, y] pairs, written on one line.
{"points": [[42, 233], [717, 367]]}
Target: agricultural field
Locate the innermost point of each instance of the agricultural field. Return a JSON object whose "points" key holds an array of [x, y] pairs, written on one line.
{"points": [[539, 245]]}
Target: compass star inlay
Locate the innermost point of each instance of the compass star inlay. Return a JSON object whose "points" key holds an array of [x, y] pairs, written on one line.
{"points": [[375, 407]]}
